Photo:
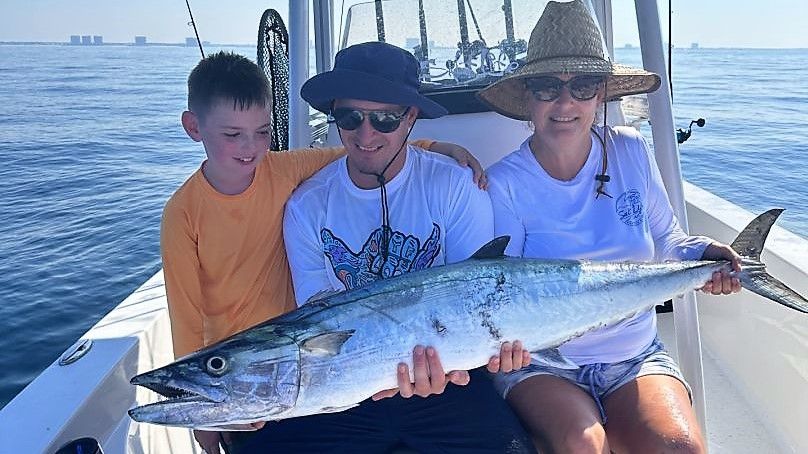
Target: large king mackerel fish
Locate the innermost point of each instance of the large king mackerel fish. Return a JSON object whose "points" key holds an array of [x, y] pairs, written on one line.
{"points": [[338, 350]]}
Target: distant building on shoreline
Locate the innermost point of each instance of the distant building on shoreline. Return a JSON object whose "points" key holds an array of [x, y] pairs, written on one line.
{"points": [[86, 40]]}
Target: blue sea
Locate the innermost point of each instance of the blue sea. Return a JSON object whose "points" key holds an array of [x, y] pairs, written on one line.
{"points": [[91, 147]]}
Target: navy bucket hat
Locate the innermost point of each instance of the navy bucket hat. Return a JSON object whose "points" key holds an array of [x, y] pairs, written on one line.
{"points": [[373, 71]]}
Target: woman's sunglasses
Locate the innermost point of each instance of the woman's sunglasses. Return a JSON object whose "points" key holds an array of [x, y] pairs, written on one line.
{"points": [[383, 121], [582, 88]]}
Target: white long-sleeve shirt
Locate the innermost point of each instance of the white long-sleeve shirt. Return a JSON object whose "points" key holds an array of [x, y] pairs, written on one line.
{"points": [[549, 218]]}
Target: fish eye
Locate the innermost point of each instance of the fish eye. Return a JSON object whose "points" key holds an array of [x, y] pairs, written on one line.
{"points": [[216, 365]]}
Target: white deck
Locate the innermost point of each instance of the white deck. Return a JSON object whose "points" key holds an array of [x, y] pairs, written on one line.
{"points": [[727, 432]]}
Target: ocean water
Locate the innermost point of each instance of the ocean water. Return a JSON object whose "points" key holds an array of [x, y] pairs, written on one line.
{"points": [[91, 147]]}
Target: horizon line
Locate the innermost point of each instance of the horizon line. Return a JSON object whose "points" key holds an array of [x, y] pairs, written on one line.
{"points": [[626, 46]]}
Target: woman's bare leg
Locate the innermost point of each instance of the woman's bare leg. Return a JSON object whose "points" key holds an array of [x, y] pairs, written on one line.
{"points": [[558, 415], [652, 414]]}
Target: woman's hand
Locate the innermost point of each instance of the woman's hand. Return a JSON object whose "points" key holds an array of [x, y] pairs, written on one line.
{"points": [[722, 282], [511, 357]]}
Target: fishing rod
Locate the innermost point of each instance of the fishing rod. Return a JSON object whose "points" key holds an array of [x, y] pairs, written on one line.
{"points": [[379, 20], [476, 25], [464, 32], [670, 47], [196, 32], [423, 56], [510, 36]]}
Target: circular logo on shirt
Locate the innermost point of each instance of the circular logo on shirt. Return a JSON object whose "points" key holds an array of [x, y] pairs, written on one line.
{"points": [[629, 207]]}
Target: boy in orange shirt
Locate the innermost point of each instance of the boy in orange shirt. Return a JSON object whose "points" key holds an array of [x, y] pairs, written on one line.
{"points": [[221, 237]]}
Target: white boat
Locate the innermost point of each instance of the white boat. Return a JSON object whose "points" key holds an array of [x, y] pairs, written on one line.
{"points": [[746, 359]]}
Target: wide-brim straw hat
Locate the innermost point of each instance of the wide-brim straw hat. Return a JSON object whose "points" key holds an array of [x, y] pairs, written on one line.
{"points": [[372, 71], [565, 40]]}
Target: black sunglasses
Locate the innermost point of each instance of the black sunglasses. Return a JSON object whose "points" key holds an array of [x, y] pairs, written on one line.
{"points": [[384, 121], [547, 88]]}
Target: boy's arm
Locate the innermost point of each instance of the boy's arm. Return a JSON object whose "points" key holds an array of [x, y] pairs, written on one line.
{"points": [[311, 160], [183, 288], [463, 157]]}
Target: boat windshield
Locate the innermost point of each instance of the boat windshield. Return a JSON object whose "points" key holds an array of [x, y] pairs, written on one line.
{"points": [[459, 43]]}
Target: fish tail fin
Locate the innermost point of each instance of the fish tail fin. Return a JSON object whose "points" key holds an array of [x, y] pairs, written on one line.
{"points": [[749, 245]]}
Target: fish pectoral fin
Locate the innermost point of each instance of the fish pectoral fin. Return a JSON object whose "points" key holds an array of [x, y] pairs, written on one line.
{"points": [[328, 343], [321, 295], [493, 249], [553, 357]]}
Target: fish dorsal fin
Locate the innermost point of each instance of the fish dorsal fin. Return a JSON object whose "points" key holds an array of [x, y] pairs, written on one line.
{"points": [[321, 295], [493, 249], [328, 343], [749, 242]]}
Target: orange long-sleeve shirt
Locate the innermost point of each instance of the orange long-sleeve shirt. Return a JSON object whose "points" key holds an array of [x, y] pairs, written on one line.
{"points": [[224, 259]]}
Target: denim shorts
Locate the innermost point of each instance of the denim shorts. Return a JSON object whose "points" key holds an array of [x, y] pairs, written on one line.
{"points": [[600, 379]]}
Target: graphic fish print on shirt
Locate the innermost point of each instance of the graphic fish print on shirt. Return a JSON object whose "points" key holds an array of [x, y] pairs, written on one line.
{"points": [[404, 254]]}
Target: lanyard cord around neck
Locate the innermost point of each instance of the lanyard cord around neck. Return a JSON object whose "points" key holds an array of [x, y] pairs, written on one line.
{"points": [[386, 229], [382, 180], [602, 178]]}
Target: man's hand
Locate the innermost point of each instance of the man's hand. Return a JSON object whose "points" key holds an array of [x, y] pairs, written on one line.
{"points": [[511, 357], [464, 158], [430, 377], [722, 282]]}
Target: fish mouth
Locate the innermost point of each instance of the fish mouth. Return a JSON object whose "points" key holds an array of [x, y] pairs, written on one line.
{"points": [[177, 394], [175, 404], [174, 392]]}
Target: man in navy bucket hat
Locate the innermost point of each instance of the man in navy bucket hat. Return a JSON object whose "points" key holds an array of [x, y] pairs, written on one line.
{"points": [[385, 209]]}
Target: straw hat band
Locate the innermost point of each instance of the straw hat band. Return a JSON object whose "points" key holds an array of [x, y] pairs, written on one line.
{"points": [[564, 64]]}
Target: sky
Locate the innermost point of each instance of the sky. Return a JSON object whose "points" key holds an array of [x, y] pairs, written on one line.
{"points": [[711, 23]]}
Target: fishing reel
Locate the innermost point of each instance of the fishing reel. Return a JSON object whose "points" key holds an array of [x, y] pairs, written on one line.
{"points": [[476, 58], [682, 135]]}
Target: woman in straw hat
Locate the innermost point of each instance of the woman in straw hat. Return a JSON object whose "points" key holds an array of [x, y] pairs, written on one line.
{"points": [[581, 191]]}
